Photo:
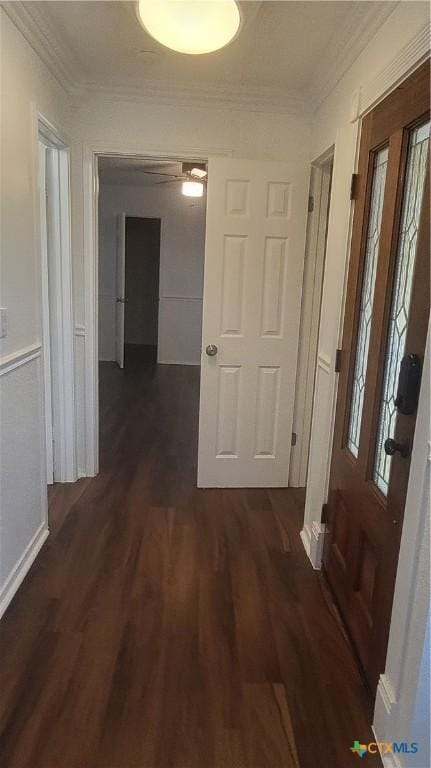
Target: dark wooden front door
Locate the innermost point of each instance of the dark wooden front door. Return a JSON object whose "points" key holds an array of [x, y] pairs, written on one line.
{"points": [[386, 318]]}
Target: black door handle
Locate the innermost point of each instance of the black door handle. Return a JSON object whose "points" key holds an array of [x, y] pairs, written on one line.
{"points": [[409, 382], [391, 446]]}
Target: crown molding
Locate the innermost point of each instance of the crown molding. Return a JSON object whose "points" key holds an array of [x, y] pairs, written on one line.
{"points": [[42, 37], [183, 94], [414, 53], [36, 27], [347, 44]]}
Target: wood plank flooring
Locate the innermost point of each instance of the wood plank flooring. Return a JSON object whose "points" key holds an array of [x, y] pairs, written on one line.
{"points": [[164, 626]]}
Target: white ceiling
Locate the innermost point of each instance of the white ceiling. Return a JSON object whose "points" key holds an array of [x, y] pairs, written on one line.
{"points": [[284, 47], [135, 170]]}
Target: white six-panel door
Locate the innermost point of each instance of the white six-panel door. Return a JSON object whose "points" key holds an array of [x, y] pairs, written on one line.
{"points": [[255, 233]]}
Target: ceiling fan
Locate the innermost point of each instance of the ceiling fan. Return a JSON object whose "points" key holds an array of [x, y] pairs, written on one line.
{"points": [[193, 177]]}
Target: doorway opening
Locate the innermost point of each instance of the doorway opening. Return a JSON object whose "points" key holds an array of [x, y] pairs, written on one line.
{"points": [[150, 278], [137, 302], [251, 292], [57, 312], [312, 287]]}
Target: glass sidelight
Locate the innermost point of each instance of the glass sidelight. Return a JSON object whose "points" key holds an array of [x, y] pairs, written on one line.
{"points": [[401, 296], [367, 297]]}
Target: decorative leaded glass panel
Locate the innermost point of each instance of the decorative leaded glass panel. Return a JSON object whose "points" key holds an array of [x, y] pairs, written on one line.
{"points": [[404, 268], [367, 297]]}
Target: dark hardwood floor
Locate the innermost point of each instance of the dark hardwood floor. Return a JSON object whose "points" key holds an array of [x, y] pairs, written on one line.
{"points": [[168, 627]]}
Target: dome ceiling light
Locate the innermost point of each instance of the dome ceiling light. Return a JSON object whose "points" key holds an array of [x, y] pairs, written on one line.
{"points": [[190, 26], [192, 188]]}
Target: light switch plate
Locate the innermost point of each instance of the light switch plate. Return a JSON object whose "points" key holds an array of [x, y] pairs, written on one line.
{"points": [[3, 322]]}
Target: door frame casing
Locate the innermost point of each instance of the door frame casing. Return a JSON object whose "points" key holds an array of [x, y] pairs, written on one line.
{"points": [[120, 257], [46, 350], [91, 269], [61, 301], [314, 266]]}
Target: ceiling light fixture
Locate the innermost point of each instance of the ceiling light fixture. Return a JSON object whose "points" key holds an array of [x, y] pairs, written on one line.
{"points": [[192, 188], [198, 173], [190, 26]]}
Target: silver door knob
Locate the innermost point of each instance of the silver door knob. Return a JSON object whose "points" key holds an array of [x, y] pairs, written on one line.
{"points": [[211, 350]]}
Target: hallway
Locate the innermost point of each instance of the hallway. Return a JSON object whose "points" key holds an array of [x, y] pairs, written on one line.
{"points": [[168, 627]]}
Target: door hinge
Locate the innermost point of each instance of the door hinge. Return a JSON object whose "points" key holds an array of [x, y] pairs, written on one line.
{"points": [[325, 510], [337, 367], [310, 204], [354, 186], [293, 440]]}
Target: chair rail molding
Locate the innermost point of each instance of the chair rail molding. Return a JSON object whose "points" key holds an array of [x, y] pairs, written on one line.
{"points": [[80, 330], [20, 357], [25, 364]]}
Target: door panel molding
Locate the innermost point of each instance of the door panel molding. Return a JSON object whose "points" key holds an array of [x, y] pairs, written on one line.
{"points": [[255, 232]]}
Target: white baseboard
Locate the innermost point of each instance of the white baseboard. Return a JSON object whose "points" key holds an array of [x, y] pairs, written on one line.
{"points": [[176, 362], [385, 712], [312, 539], [159, 362], [306, 539], [389, 760], [385, 696], [22, 567]]}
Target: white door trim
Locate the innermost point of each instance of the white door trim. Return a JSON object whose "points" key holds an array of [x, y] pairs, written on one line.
{"points": [[91, 269], [120, 297], [314, 262], [46, 344], [61, 303]]}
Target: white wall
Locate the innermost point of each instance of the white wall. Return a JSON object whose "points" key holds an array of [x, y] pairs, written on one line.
{"points": [[26, 86], [399, 46], [182, 251], [130, 126]]}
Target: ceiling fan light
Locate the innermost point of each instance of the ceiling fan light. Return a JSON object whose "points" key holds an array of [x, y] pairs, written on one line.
{"points": [[198, 173], [192, 188], [190, 26]]}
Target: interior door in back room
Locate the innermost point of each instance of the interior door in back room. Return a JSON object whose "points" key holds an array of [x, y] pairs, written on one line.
{"points": [[142, 281], [385, 327], [121, 289], [254, 252]]}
